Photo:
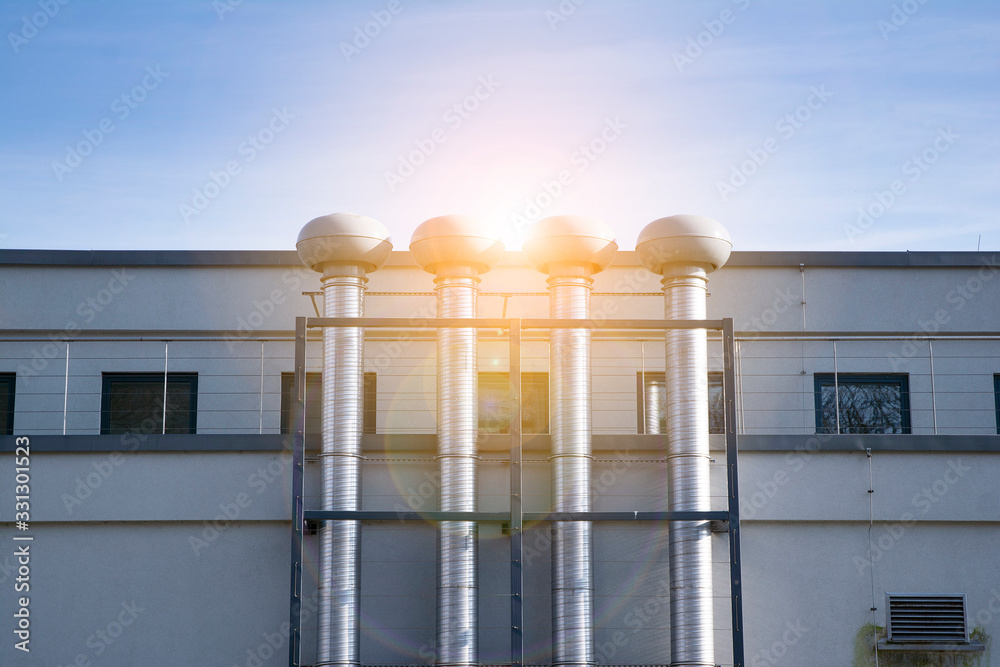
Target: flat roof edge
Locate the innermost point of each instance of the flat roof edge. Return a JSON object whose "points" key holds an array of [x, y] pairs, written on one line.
{"points": [[290, 258]]}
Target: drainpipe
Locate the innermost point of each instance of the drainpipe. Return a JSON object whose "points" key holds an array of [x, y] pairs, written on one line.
{"points": [[571, 249], [455, 250], [343, 247], [684, 249]]}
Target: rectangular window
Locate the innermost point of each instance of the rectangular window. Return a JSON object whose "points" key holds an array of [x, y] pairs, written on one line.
{"points": [[7, 381], [133, 403], [314, 402], [494, 402], [653, 397], [868, 403], [996, 398]]}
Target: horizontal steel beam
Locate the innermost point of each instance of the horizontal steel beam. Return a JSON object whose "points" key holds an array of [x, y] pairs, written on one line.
{"points": [[496, 323], [389, 515], [626, 516]]}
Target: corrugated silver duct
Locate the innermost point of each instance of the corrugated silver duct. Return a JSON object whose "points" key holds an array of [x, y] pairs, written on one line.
{"points": [[457, 409], [343, 247], [343, 407], [683, 249], [454, 249], [570, 249], [572, 542], [692, 640], [653, 402]]}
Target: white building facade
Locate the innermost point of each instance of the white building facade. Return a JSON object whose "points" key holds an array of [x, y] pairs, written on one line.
{"points": [[867, 416]]}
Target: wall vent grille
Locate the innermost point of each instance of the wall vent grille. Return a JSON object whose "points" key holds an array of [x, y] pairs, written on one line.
{"points": [[926, 617]]}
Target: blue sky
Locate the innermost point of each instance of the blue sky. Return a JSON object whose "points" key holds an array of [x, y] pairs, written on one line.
{"points": [[852, 125]]}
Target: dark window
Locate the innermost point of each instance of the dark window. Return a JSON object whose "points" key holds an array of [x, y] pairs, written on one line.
{"points": [[494, 402], [314, 402], [868, 403], [996, 398], [7, 381], [133, 403], [716, 404], [652, 390]]}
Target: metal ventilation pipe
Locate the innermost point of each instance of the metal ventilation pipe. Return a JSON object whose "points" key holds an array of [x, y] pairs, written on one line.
{"points": [[653, 408], [683, 249], [570, 249], [457, 252], [344, 247]]}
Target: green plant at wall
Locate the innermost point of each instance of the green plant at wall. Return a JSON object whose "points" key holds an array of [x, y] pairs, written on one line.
{"points": [[864, 652]]}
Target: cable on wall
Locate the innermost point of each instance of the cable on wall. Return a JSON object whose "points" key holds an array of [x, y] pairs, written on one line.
{"points": [[871, 557]]}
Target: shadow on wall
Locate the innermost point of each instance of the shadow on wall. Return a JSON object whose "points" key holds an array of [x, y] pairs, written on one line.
{"points": [[864, 653]]}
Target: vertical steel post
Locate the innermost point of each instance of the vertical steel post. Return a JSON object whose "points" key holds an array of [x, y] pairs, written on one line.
{"points": [[732, 467], [66, 390], [166, 357], [836, 387], [930, 352], [516, 507], [298, 454], [260, 427]]}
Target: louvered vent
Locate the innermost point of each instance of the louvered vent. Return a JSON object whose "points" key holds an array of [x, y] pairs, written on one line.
{"points": [[922, 617]]}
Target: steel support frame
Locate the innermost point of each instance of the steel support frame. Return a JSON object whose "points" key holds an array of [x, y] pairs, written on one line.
{"points": [[516, 516], [298, 492], [733, 477]]}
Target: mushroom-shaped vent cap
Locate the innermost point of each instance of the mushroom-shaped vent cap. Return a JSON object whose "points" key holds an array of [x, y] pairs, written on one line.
{"points": [[456, 240], [344, 238], [683, 239], [571, 240]]}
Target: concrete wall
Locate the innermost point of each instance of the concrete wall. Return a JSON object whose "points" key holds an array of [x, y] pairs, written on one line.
{"points": [[199, 542], [183, 556], [250, 311]]}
